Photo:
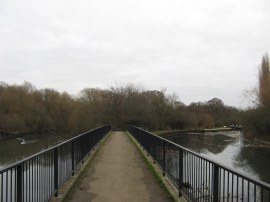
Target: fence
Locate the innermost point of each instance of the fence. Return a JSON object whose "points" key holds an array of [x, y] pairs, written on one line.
{"points": [[199, 178], [39, 177]]}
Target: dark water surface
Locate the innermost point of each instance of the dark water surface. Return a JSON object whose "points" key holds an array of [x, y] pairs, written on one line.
{"points": [[16, 149], [230, 149]]}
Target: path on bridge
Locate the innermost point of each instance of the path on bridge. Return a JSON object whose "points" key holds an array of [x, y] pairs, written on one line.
{"points": [[118, 173]]}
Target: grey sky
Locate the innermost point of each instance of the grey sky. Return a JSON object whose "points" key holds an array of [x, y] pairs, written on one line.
{"points": [[198, 49]]}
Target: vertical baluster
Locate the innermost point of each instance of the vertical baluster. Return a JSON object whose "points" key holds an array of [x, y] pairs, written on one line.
{"points": [[11, 185], [243, 189], [237, 188], [180, 170], [56, 171], [19, 183], [255, 192], [72, 157], [164, 157], [189, 176], [215, 182], [206, 177], [261, 194], [204, 187], [224, 178], [7, 185]]}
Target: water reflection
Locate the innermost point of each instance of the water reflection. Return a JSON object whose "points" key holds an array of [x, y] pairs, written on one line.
{"points": [[38, 176], [230, 149], [256, 158], [13, 150]]}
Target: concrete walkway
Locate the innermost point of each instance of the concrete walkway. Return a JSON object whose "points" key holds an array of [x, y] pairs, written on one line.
{"points": [[118, 173]]}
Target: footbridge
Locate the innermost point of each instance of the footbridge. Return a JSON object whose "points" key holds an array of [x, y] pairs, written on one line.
{"points": [[136, 165]]}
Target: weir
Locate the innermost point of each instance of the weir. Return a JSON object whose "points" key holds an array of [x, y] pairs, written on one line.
{"points": [[39, 177]]}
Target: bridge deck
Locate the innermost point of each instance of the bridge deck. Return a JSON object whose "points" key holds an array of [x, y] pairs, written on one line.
{"points": [[118, 173]]}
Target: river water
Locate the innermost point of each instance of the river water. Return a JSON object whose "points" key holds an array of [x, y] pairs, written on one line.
{"points": [[16, 149], [230, 149], [227, 148]]}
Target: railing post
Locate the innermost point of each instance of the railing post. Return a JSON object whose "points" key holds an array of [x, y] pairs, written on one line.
{"points": [[94, 140], [163, 157], [215, 182], [82, 149], [155, 151], [180, 174], [89, 142], [148, 145], [19, 183], [55, 152], [72, 157], [142, 141]]}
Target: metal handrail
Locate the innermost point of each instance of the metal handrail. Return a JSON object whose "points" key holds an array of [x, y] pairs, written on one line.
{"points": [[203, 169], [38, 177], [42, 152]]}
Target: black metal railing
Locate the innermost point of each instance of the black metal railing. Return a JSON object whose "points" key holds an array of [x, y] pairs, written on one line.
{"points": [[39, 177], [199, 178]]}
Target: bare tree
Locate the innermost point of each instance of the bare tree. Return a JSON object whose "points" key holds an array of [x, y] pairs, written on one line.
{"points": [[264, 82]]}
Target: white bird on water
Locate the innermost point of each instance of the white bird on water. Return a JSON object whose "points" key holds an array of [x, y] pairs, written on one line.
{"points": [[21, 141]]}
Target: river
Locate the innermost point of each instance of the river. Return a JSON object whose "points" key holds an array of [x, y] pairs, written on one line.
{"points": [[230, 149], [16, 149]]}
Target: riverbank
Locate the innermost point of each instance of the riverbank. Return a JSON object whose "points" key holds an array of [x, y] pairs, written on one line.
{"points": [[10, 135], [169, 132], [261, 141], [214, 130]]}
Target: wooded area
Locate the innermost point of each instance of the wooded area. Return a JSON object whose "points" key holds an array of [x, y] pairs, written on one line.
{"points": [[257, 119], [27, 109], [24, 108]]}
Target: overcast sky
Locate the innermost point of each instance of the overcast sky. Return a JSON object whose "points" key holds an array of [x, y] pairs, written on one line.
{"points": [[199, 49]]}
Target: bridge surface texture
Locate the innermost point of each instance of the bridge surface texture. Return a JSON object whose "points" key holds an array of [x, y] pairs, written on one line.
{"points": [[118, 173]]}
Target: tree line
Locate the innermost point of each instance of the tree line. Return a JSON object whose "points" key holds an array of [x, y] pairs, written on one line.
{"points": [[24, 108]]}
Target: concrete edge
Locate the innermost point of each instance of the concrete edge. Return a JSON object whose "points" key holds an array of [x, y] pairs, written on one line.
{"points": [[168, 185], [65, 189]]}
